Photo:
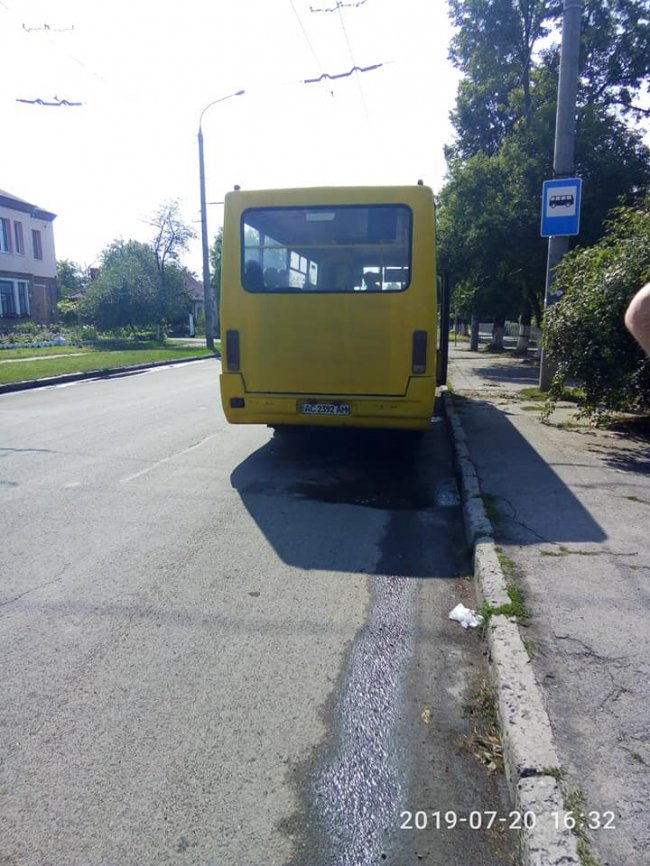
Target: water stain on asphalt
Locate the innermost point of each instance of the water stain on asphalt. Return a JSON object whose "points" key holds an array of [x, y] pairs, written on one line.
{"points": [[358, 786], [389, 493], [353, 783]]}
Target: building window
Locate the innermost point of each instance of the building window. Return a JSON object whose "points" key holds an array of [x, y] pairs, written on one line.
{"points": [[7, 298], [5, 235], [14, 298], [23, 298], [36, 241], [19, 244]]}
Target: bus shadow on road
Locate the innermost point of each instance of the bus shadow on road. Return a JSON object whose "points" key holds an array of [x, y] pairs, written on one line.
{"points": [[351, 500], [356, 500]]}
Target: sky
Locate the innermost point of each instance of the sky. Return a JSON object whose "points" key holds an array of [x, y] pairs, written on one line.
{"points": [[144, 72]]}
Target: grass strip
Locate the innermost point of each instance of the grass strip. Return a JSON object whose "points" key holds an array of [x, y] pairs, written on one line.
{"points": [[88, 362]]}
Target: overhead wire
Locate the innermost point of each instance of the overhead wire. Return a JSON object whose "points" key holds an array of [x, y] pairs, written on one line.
{"points": [[57, 102], [354, 69], [47, 28], [339, 5], [354, 63], [306, 35]]}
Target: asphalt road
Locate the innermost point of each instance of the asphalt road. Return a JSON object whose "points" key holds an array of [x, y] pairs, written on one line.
{"points": [[222, 645]]}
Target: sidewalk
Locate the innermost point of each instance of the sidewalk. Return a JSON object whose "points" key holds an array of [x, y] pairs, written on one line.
{"points": [[570, 508]]}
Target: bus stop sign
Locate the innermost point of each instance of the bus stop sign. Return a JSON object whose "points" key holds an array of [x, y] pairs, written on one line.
{"points": [[561, 207]]}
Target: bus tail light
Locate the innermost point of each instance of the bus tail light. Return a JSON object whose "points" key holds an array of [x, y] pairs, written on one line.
{"points": [[419, 364], [232, 350]]}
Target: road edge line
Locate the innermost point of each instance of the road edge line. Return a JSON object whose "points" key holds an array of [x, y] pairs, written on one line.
{"points": [[529, 752]]}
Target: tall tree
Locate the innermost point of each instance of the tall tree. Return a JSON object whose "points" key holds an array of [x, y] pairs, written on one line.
{"points": [[499, 44], [128, 291], [504, 121], [616, 55], [171, 238], [172, 234], [125, 292], [494, 49]]}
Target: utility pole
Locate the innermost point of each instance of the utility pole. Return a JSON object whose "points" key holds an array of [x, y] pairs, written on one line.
{"points": [[208, 288], [563, 159], [208, 294]]}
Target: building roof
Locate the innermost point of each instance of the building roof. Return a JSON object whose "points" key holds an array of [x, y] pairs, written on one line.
{"points": [[195, 287], [12, 201]]}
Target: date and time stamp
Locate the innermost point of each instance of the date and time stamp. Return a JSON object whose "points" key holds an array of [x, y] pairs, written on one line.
{"points": [[422, 819]]}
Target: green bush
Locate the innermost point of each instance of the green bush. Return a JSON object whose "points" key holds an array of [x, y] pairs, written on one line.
{"points": [[584, 332], [29, 332], [69, 313], [87, 333]]}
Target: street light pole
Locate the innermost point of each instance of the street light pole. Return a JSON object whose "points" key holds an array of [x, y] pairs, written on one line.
{"points": [[208, 293]]}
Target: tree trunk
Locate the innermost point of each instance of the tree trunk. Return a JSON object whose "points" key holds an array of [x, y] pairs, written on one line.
{"points": [[524, 333], [473, 345], [496, 343]]}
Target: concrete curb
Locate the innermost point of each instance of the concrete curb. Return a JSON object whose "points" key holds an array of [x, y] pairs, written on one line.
{"points": [[113, 373], [528, 748]]}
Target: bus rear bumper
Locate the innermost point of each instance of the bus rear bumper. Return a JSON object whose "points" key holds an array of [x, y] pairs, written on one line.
{"points": [[413, 411]]}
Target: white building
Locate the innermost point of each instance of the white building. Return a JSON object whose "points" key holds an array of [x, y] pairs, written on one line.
{"points": [[27, 262]]}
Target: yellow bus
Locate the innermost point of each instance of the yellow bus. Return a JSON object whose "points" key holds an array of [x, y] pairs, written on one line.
{"points": [[329, 307]]}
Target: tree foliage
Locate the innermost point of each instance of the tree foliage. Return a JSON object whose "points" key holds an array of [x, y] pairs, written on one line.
{"points": [[171, 238], [616, 54], [129, 292], [584, 331], [172, 235], [71, 279], [124, 293], [501, 45], [489, 234], [493, 48], [142, 285], [503, 148]]}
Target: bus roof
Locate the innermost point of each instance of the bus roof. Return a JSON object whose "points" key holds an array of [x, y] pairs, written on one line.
{"points": [[332, 194]]}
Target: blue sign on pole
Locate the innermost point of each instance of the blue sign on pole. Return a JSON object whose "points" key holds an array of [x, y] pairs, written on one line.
{"points": [[561, 207]]}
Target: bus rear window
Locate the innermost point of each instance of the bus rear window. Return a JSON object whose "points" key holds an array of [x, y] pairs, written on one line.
{"points": [[347, 248]]}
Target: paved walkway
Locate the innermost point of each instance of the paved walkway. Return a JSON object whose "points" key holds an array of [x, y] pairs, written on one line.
{"points": [[571, 507]]}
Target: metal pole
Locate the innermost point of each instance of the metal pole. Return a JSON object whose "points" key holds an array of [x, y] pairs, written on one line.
{"points": [[208, 288], [208, 294], [563, 159]]}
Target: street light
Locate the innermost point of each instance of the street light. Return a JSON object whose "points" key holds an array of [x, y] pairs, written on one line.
{"points": [[208, 294]]}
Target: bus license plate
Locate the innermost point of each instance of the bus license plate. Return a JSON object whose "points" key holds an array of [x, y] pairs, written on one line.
{"points": [[315, 408]]}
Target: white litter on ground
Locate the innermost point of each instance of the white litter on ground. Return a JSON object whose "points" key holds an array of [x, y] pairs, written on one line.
{"points": [[466, 617]]}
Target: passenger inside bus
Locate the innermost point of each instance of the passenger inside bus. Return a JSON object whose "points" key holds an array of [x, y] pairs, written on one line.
{"points": [[271, 278], [253, 276], [372, 281]]}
